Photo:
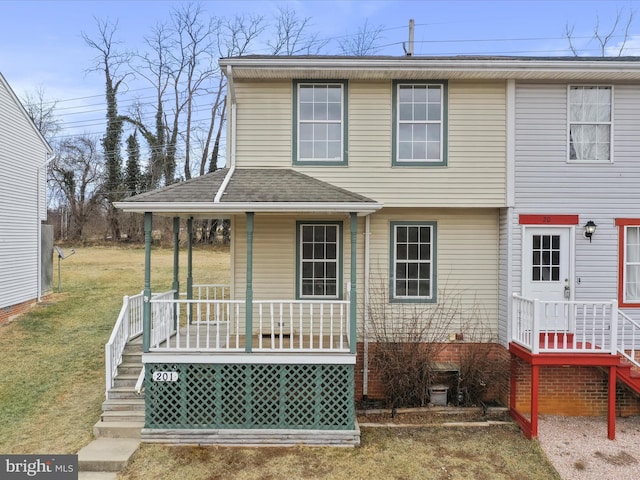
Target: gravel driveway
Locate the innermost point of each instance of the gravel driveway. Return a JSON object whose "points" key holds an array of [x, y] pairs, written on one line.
{"points": [[579, 449]]}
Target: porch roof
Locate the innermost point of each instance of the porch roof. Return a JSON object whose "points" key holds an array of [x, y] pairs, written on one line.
{"points": [[266, 190]]}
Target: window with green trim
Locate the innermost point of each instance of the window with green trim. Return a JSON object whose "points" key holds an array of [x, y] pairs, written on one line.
{"points": [[319, 260], [320, 113], [413, 261], [420, 123]]}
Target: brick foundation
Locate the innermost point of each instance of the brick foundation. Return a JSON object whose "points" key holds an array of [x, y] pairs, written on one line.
{"points": [[450, 353], [572, 391], [9, 313]]}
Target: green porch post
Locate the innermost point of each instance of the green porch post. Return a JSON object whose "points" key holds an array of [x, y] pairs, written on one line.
{"points": [[353, 305], [146, 305], [189, 266], [249, 292], [176, 266], [190, 258]]}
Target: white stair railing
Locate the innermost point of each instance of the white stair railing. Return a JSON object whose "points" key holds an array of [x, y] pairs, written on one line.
{"points": [[128, 326], [628, 338]]}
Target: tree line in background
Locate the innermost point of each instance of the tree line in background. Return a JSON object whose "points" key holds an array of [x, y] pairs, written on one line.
{"points": [[176, 133]]}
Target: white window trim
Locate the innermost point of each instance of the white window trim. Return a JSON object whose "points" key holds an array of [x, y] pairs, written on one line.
{"points": [[338, 261], [610, 123]]}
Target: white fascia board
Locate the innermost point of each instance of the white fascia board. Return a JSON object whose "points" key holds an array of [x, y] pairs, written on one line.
{"points": [[226, 358], [198, 208], [460, 68]]}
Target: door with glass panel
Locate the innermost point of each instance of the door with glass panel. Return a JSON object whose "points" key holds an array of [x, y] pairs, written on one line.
{"points": [[547, 260]]}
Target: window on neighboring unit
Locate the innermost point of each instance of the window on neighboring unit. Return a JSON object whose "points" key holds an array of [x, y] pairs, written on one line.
{"points": [[319, 123], [413, 261], [420, 123], [590, 123], [319, 260], [631, 267]]}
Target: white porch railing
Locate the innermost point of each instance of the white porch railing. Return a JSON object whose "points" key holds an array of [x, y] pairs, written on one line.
{"points": [[278, 326], [565, 326], [128, 326]]}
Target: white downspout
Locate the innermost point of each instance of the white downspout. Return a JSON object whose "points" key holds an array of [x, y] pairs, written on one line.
{"points": [[365, 335], [231, 94], [39, 220]]}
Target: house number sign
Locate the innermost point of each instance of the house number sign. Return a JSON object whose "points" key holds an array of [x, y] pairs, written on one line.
{"points": [[165, 376]]}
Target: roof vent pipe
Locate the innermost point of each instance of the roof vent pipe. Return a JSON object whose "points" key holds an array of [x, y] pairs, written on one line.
{"points": [[409, 51]]}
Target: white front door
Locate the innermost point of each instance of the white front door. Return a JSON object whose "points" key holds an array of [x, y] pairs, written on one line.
{"points": [[547, 261]]}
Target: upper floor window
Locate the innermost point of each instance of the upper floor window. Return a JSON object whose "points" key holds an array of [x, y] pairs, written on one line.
{"points": [[320, 123], [590, 123], [413, 261], [420, 123]]}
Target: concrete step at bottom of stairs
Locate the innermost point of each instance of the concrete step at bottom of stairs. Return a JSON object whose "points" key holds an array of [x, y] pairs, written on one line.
{"points": [[107, 454], [118, 429], [97, 476]]}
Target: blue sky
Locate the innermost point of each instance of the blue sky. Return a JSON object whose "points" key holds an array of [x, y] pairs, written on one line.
{"points": [[41, 44]]}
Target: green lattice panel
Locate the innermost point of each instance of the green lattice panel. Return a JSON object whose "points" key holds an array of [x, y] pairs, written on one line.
{"points": [[251, 396]]}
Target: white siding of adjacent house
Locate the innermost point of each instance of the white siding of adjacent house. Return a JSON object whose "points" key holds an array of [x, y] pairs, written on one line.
{"points": [[546, 183], [22, 151], [475, 174], [467, 258]]}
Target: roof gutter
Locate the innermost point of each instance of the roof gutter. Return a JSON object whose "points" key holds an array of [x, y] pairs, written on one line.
{"points": [[231, 94]]}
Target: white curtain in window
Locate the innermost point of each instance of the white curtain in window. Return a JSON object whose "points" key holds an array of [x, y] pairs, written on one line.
{"points": [[632, 273]]}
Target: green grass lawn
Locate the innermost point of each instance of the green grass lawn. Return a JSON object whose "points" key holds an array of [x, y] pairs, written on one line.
{"points": [[52, 369], [52, 387]]}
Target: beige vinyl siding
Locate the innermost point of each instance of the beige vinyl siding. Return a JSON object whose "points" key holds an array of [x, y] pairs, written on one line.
{"points": [[274, 254], [467, 264], [264, 128], [467, 256], [475, 174]]}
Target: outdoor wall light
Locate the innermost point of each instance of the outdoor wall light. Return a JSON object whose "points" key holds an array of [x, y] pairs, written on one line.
{"points": [[589, 229]]}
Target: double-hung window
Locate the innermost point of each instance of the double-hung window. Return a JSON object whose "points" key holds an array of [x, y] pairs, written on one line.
{"points": [[420, 123], [590, 123], [320, 119], [319, 260], [629, 252], [413, 261]]}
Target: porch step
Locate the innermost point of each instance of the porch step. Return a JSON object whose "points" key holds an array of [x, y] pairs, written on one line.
{"points": [[126, 379], [124, 404], [130, 367], [629, 374], [123, 393], [107, 454], [118, 429], [122, 416]]}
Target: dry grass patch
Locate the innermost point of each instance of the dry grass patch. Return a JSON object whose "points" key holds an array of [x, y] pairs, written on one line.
{"points": [[432, 453]]}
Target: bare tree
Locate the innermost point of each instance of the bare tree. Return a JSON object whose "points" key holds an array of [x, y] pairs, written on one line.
{"points": [[78, 174], [292, 35], [109, 61], [43, 113], [364, 42], [604, 39]]}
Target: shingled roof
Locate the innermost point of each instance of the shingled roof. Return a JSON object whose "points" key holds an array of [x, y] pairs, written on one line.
{"points": [[254, 189]]}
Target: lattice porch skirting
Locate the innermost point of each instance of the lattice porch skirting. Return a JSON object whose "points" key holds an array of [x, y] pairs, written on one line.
{"points": [[248, 398]]}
